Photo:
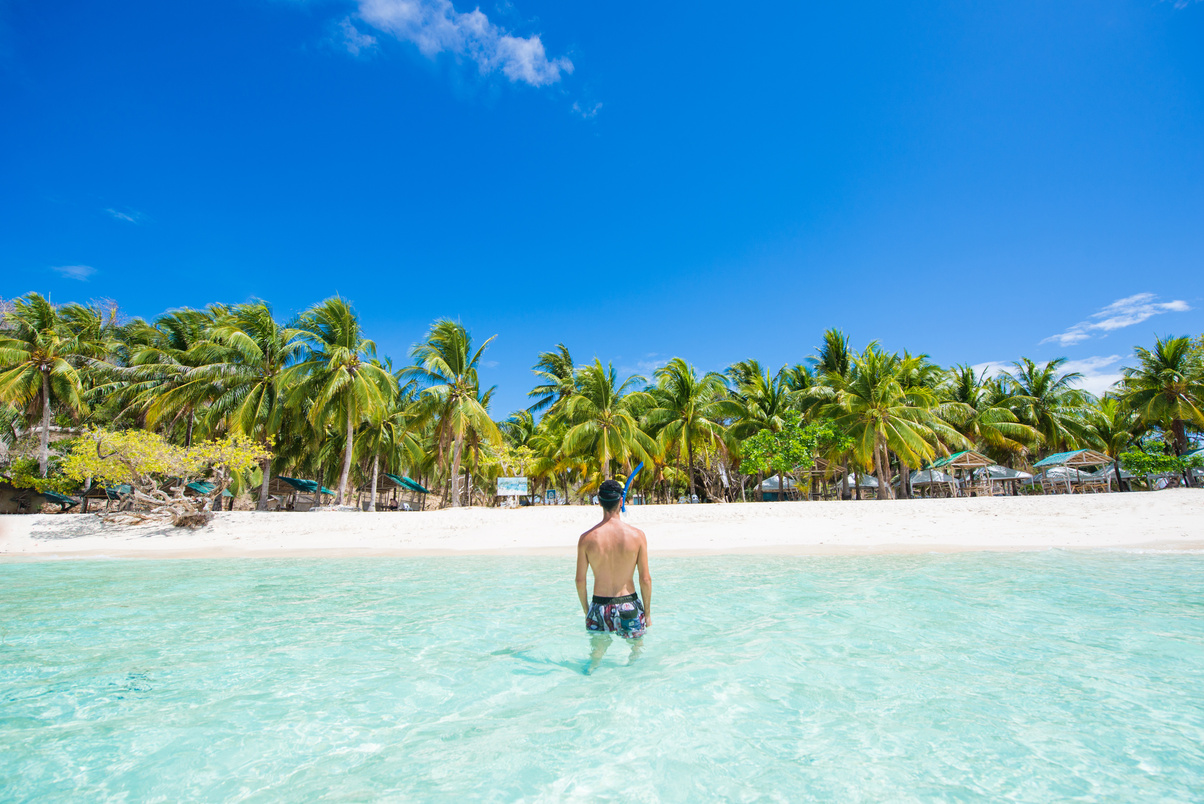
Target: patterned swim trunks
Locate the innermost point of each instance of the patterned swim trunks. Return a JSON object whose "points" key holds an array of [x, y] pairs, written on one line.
{"points": [[622, 615]]}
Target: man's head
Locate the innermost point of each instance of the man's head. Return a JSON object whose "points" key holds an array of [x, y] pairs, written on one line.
{"points": [[610, 495]]}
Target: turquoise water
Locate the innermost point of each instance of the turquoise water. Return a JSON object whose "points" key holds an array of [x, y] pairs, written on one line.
{"points": [[1033, 677]]}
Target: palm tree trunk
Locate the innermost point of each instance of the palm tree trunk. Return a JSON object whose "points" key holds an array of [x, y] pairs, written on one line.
{"points": [[455, 472], [347, 450], [44, 438], [882, 470], [375, 470], [844, 480], [188, 435], [690, 465], [905, 480], [262, 505]]}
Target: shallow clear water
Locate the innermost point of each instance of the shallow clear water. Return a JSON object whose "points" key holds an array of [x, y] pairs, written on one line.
{"points": [[1036, 677]]}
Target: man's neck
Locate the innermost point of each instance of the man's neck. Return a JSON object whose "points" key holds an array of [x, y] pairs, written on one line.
{"points": [[609, 515]]}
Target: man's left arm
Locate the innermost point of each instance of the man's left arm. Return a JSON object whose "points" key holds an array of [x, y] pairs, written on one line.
{"points": [[582, 568]]}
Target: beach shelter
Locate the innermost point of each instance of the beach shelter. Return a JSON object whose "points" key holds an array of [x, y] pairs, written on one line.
{"points": [[199, 488], [967, 460], [292, 487], [1003, 475], [934, 480], [770, 490], [1074, 461]]}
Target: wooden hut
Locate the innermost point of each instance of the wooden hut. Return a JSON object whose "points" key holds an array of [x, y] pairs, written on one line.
{"points": [[1073, 478], [964, 463], [296, 494]]}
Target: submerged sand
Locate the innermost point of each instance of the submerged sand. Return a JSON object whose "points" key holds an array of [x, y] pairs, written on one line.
{"points": [[1165, 520]]}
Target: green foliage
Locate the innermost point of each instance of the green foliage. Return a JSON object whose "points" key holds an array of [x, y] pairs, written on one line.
{"points": [[1158, 463], [23, 473], [795, 445]]}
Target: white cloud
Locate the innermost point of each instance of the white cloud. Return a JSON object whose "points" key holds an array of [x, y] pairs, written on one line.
{"points": [[1119, 314], [80, 272], [587, 112], [435, 27], [355, 42], [1099, 372], [128, 217]]}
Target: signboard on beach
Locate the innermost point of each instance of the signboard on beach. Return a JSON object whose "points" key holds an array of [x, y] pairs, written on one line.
{"points": [[512, 487]]}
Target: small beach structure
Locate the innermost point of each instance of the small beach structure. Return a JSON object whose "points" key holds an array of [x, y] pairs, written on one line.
{"points": [[297, 494], [964, 463], [771, 491], [395, 493], [934, 483], [1002, 478], [863, 484], [1071, 478], [200, 488]]}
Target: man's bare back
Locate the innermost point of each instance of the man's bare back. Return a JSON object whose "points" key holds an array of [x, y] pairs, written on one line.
{"points": [[614, 551]]}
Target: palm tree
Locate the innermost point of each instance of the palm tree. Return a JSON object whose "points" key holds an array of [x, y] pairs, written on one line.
{"points": [[883, 415], [390, 431], [1114, 428], [1166, 388], [603, 419], [447, 364], [555, 370], [250, 352], [166, 371], [338, 374], [38, 353], [983, 413], [1048, 401], [688, 411]]}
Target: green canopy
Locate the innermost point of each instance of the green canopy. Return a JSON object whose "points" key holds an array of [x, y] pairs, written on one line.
{"points": [[306, 486], [965, 458], [61, 499], [1078, 457], [407, 483], [204, 488]]}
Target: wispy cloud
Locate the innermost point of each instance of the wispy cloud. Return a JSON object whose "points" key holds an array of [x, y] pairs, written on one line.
{"points": [[435, 27], [129, 217], [355, 42], [587, 112], [79, 272], [1119, 314]]}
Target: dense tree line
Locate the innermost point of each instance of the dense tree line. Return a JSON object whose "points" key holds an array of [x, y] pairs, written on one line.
{"points": [[315, 391]]}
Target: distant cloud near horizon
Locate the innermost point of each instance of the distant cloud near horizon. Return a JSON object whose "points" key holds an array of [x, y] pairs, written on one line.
{"points": [[78, 272], [435, 27], [1119, 314]]}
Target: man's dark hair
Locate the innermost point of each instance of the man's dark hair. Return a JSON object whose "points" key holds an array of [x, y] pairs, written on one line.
{"points": [[610, 495]]}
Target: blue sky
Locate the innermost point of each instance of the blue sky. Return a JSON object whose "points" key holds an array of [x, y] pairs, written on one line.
{"points": [[978, 181]]}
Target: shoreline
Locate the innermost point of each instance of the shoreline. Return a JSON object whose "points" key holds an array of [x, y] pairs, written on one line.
{"points": [[1165, 521]]}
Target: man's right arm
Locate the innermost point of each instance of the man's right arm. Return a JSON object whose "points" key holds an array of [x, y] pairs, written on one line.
{"points": [[645, 579], [582, 577]]}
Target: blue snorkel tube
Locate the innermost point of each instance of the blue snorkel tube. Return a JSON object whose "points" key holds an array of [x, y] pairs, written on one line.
{"points": [[627, 486]]}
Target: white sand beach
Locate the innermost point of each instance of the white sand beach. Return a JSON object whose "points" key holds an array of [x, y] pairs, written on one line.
{"points": [[1172, 519]]}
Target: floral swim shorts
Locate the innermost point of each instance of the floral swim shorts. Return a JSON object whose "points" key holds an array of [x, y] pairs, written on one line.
{"points": [[622, 615]]}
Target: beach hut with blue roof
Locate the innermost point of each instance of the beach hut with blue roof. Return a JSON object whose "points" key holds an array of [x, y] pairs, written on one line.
{"points": [[1074, 462]]}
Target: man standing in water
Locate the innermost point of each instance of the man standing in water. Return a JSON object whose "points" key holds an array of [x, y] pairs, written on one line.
{"points": [[614, 550]]}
